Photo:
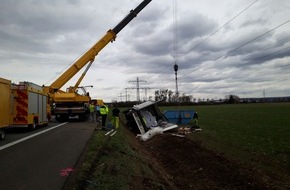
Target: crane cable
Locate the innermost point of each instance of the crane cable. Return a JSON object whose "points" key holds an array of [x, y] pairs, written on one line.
{"points": [[175, 45], [175, 33]]}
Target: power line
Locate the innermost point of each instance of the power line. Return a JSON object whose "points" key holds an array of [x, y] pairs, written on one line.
{"points": [[275, 52], [252, 40], [257, 59], [224, 24]]}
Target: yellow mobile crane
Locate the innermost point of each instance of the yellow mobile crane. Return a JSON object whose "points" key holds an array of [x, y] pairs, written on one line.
{"points": [[71, 102]]}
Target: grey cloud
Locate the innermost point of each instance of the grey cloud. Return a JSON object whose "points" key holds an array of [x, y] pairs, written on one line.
{"points": [[194, 25], [262, 57], [54, 33], [254, 22], [190, 26]]}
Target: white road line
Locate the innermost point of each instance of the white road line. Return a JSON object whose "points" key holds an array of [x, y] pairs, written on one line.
{"points": [[29, 137], [109, 132], [113, 133]]}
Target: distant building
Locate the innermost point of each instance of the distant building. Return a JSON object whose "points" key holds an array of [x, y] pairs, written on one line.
{"points": [[266, 99]]}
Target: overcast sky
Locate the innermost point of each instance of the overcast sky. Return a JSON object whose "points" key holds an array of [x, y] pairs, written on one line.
{"points": [[239, 47]]}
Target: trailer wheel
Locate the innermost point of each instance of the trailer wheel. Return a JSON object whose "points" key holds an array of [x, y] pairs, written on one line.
{"points": [[2, 134]]}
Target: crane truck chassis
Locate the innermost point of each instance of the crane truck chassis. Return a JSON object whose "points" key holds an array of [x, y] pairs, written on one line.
{"points": [[71, 103]]}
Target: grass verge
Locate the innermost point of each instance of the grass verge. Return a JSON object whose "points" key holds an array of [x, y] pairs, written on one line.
{"points": [[114, 163]]}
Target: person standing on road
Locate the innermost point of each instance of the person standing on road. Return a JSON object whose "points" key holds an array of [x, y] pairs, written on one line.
{"points": [[104, 110], [115, 116], [97, 110], [92, 113]]}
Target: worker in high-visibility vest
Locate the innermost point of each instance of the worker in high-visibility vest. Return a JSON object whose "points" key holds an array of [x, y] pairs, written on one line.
{"points": [[194, 121], [115, 117], [92, 113], [104, 110]]}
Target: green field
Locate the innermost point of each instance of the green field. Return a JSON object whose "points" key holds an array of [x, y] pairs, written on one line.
{"points": [[255, 134]]}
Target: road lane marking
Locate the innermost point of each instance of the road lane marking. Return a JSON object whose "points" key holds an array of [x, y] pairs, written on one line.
{"points": [[29, 137]]}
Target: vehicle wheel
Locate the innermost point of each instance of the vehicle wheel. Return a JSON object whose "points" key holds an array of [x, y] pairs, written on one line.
{"points": [[32, 126], [2, 134], [62, 118], [83, 117]]}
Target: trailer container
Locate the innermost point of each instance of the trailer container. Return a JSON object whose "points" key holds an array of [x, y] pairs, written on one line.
{"points": [[179, 116]]}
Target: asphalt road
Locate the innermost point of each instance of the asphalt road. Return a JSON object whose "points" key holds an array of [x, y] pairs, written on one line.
{"points": [[42, 159]]}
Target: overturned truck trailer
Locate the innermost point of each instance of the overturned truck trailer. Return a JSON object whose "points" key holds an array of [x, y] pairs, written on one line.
{"points": [[147, 120]]}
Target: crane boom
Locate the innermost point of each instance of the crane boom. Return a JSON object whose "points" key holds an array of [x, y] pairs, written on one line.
{"points": [[89, 56], [71, 103]]}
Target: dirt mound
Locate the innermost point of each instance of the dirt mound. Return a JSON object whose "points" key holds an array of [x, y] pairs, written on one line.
{"points": [[187, 165]]}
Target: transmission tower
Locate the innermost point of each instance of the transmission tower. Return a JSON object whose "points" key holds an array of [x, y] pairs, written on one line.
{"points": [[137, 81], [121, 97], [146, 89]]}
